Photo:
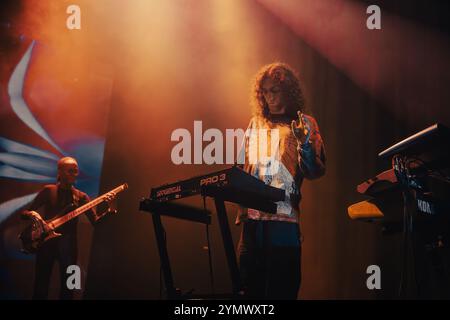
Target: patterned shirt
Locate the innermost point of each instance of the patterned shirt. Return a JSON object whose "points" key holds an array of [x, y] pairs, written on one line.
{"points": [[285, 166]]}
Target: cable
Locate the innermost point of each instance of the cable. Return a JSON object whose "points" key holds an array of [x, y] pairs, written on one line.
{"points": [[211, 275], [405, 178], [411, 179], [430, 171], [404, 272], [402, 177], [160, 281]]}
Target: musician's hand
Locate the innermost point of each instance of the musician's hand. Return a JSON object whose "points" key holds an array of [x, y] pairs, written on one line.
{"points": [[47, 227], [110, 197], [112, 211], [31, 214], [26, 214], [301, 128]]}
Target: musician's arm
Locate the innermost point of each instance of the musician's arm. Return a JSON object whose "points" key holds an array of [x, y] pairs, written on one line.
{"points": [[312, 156], [39, 201], [92, 213]]}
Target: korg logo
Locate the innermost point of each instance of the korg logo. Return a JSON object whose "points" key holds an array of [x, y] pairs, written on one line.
{"points": [[424, 206]]}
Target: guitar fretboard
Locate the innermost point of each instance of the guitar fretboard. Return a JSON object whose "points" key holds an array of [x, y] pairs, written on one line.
{"points": [[56, 223]]}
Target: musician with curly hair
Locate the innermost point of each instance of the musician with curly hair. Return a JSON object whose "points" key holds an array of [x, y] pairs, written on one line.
{"points": [[270, 246]]}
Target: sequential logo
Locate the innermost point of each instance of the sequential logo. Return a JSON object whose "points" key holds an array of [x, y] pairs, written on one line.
{"points": [[255, 141]]}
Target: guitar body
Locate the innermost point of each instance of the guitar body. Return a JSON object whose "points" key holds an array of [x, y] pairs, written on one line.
{"points": [[35, 235]]}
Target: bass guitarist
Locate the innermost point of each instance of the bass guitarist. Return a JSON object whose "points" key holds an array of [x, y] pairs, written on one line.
{"points": [[52, 201]]}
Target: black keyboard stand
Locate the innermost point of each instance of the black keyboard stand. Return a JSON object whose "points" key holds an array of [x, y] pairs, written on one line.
{"points": [[196, 215], [220, 194], [425, 228], [228, 245], [171, 291], [177, 211]]}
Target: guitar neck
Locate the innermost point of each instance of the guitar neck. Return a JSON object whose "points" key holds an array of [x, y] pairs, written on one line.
{"points": [[56, 223]]}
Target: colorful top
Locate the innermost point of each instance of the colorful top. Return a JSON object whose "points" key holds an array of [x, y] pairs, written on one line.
{"points": [[285, 166]]}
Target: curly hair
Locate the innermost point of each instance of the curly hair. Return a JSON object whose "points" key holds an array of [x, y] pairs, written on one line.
{"points": [[288, 80]]}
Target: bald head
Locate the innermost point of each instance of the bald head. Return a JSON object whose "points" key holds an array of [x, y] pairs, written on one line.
{"points": [[66, 160], [67, 171]]}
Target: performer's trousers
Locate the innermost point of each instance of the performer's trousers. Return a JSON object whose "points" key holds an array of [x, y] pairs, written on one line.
{"points": [[64, 251], [270, 259]]}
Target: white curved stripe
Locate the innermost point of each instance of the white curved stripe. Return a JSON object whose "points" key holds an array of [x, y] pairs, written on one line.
{"points": [[11, 206], [17, 147], [18, 104], [32, 164], [18, 174]]}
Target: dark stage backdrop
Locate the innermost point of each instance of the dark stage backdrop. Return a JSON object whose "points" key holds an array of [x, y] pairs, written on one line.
{"points": [[181, 61], [209, 80]]}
